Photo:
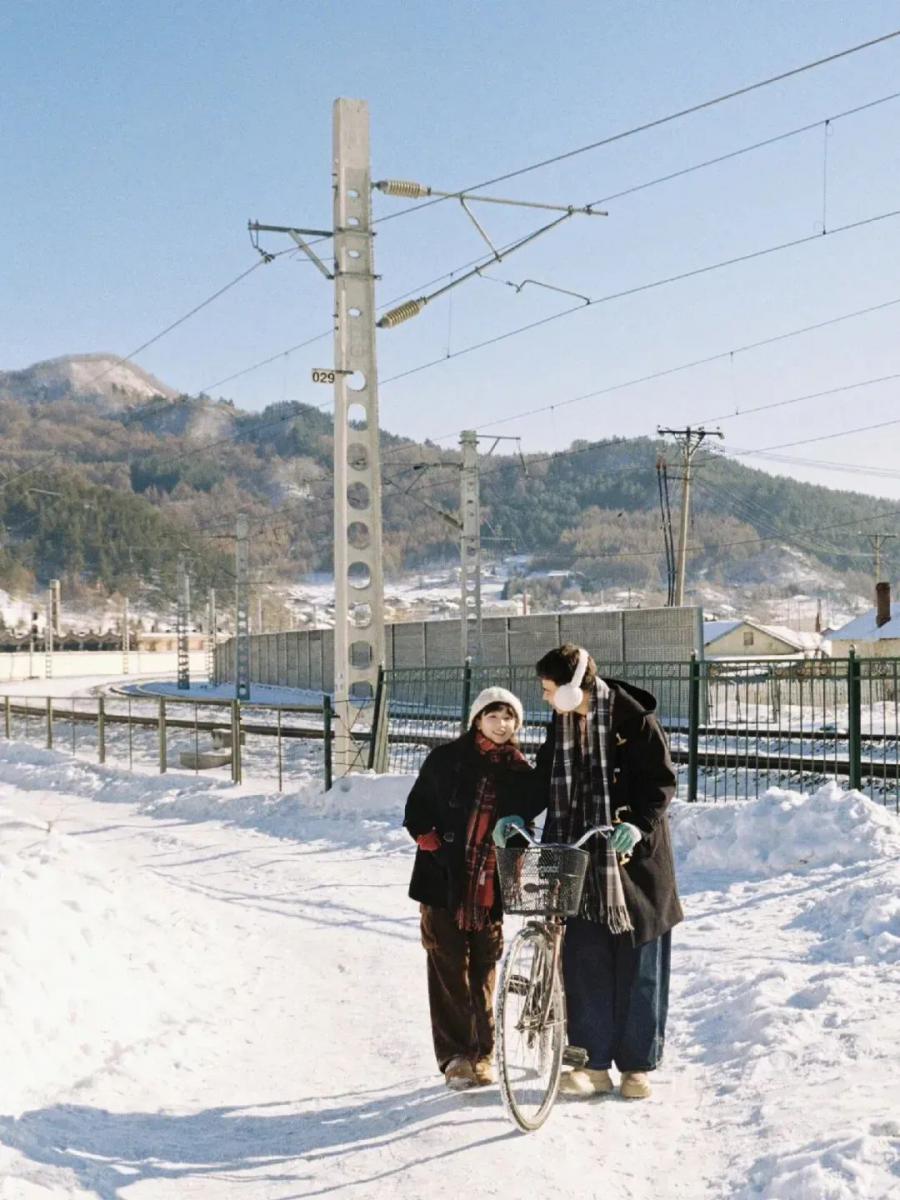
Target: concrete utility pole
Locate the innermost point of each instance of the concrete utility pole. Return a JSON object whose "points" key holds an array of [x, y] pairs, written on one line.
{"points": [[690, 441], [32, 638], [126, 636], [183, 622], [56, 608], [470, 549], [48, 635], [211, 621], [358, 571], [241, 616]]}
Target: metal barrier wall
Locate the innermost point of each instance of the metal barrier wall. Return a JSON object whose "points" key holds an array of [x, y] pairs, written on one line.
{"points": [[305, 659], [735, 728]]}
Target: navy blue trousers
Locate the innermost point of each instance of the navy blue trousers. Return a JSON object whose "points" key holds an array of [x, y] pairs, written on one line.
{"points": [[617, 995]]}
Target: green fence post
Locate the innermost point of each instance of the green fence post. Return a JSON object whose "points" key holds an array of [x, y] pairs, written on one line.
{"points": [[49, 723], [236, 765], [375, 733], [853, 719], [163, 764], [693, 727], [329, 740], [101, 729], [466, 695]]}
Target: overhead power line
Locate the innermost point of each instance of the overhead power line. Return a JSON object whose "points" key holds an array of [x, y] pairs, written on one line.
{"points": [[835, 391], [657, 122], [685, 366], [262, 262], [749, 149], [793, 132], [644, 287], [822, 437]]}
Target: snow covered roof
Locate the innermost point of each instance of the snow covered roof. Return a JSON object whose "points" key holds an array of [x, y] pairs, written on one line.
{"points": [[864, 628], [714, 630], [802, 639]]}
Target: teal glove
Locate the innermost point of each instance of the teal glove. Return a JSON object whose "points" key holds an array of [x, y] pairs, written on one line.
{"points": [[625, 837], [503, 830]]}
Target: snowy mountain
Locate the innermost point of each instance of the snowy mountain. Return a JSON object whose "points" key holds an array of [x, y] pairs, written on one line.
{"points": [[101, 380]]}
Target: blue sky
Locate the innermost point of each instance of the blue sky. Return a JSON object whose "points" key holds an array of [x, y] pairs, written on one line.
{"points": [[139, 138]]}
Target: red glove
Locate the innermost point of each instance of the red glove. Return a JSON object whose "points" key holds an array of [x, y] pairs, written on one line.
{"points": [[429, 841]]}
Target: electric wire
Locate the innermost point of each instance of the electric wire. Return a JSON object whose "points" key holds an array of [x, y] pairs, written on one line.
{"points": [[796, 131], [655, 123], [685, 366], [749, 149], [822, 437], [262, 262], [645, 287]]}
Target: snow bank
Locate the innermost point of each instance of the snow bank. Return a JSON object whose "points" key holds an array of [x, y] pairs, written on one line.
{"points": [[784, 832], [353, 811], [87, 967]]}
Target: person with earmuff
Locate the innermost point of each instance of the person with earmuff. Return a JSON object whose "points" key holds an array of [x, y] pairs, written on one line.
{"points": [[605, 762]]}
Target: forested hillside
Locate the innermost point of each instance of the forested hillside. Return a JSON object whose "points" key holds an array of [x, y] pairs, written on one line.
{"points": [[109, 489]]}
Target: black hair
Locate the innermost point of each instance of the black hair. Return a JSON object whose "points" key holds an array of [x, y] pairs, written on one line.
{"points": [[495, 707], [559, 666]]}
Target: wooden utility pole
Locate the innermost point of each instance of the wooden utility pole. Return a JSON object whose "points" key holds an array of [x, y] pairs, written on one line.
{"points": [[690, 440], [876, 541]]}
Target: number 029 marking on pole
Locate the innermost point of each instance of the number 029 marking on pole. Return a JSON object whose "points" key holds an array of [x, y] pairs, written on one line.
{"points": [[321, 375]]}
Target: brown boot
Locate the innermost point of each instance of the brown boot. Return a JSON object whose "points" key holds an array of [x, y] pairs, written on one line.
{"points": [[458, 1074], [635, 1085], [484, 1072]]}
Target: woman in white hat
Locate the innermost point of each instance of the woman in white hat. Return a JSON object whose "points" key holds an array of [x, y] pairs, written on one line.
{"points": [[464, 788]]}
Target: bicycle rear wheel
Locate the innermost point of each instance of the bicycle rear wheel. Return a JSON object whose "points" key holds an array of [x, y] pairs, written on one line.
{"points": [[530, 1029]]}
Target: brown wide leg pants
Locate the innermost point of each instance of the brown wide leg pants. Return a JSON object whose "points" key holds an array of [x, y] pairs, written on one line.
{"points": [[461, 970]]}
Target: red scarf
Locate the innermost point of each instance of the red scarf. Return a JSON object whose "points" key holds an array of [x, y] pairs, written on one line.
{"points": [[481, 861]]}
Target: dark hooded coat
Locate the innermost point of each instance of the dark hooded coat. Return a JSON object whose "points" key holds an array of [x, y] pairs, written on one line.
{"points": [[442, 799], [641, 779]]}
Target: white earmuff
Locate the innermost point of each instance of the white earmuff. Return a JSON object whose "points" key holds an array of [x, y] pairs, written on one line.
{"points": [[569, 695]]}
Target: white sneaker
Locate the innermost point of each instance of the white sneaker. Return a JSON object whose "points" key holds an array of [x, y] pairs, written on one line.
{"points": [[584, 1081], [635, 1085]]}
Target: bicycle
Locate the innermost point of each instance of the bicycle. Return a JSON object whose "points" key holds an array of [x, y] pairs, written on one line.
{"points": [[543, 883]]}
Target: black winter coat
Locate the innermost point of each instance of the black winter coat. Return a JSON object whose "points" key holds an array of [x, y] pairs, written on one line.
{"points": [[442, 799], [642, 779]]}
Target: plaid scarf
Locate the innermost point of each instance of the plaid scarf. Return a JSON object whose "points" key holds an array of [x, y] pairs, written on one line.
{"points": [[480, 860], [579, 799]]}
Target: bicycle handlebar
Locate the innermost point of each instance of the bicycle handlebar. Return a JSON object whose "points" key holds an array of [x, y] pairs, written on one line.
{"points": [[603, 830]]}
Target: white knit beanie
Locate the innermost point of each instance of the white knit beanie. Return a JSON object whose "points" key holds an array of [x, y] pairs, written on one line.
{"points": [[496, 695]]}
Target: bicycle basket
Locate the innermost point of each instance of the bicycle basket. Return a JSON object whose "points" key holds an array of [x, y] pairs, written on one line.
{"points": [[545, 880]]}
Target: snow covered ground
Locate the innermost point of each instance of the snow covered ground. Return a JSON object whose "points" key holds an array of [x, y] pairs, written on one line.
{"points": [[210, 991]]}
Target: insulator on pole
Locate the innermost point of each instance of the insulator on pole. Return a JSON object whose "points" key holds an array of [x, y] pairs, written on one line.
{"points": [[403, 312], [403, 187]]}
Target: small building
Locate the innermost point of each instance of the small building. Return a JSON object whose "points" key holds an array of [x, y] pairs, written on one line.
{"points": [[166, 641], [748, 639], [874, 634]]}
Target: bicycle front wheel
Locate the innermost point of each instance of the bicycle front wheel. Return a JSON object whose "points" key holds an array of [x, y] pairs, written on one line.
{"points": [[530, 1029]]}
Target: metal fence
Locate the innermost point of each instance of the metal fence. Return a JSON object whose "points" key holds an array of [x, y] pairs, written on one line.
{"points": [[305, 658], [735, 728], [281, 744]]}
